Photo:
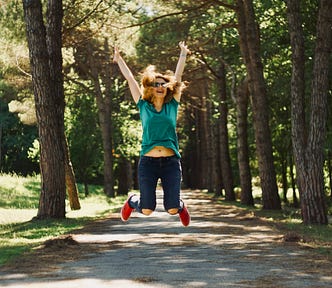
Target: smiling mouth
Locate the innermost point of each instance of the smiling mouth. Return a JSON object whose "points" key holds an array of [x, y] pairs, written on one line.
{"points": [[161, 91]]}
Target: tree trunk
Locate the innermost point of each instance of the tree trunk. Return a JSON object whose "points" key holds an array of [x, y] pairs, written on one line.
{"points": [[135, 173], [46, 69], [107, 80], [0, 143], [198, 158], [204, 139], [86, 189], [291, 172], [199, 178], [242, 100], [225, 159], [189, 159], [104, 114], [71, 186], [249, 45], [104, 120], [284, 179], [124, 176], [329, 169], [218, 180], [211, 147], [308, 142]]}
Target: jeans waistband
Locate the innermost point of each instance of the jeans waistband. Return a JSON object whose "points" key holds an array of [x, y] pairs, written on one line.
{"points": [[158, 158]]}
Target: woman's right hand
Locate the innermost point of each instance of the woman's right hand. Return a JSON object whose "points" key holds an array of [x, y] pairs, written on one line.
{"points": [[116, 56]]}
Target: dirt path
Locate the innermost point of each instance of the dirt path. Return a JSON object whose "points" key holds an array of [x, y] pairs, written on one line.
{"points": [[223, 247]]}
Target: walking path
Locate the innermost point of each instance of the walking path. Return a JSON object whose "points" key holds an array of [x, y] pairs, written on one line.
{"points": [[223, 247]]}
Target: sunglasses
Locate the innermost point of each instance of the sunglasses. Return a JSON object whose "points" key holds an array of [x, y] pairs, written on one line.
{"points": [[158, 84]]}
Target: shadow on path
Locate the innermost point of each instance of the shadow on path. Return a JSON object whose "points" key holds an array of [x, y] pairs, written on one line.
{"points": [[223, 247]]}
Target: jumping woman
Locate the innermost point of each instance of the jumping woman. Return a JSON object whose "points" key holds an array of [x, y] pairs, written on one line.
{"points": [[158, 100]]}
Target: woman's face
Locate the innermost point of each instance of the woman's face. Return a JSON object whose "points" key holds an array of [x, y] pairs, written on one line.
{"points": [[158, 88]]}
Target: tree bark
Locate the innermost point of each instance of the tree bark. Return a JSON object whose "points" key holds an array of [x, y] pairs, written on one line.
{"points": [[329, 169], [203, 137], [293, 182], [0, 143], [225, 159], [47, 78], [107, 80], [198, 158], [249, 45], [190, 155], [71, 186], [284, 179], [104, 113], [124, 176], [242, 100], [308, 141]]}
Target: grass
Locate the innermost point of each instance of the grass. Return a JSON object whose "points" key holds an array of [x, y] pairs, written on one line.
{"points": [[288, 219], [19, 192], [19, 198]]}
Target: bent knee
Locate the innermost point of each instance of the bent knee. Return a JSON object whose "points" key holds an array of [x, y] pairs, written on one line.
{"points": [[147, 212], [173, 211]]}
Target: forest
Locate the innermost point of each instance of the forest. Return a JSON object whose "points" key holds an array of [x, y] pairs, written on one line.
{"points": [[256, 112]]}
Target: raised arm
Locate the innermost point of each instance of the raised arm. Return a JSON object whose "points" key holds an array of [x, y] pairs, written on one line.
{"points": [[133, 85], [181, 61]]}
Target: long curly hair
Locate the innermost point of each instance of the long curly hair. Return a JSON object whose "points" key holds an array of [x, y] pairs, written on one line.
{"points": [[150, 75]]}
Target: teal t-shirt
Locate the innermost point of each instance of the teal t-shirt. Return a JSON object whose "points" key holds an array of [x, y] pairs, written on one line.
{"points": [[159, 128]]}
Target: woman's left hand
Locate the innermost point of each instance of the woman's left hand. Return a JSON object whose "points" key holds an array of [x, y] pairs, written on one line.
{"points": [[184, 47]]}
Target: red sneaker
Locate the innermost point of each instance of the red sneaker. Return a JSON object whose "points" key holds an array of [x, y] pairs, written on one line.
{"points": [[184, 216], [126, 210]]}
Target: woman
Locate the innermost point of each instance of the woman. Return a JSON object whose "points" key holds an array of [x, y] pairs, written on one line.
{"points": [[158, 102]]}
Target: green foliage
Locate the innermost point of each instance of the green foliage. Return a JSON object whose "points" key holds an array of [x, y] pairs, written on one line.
{"points": [[16, 138], [11, 20], [7, 92], [16, 141], [158, 42], [34, 151], [126, 123], [128, 131], [83, 135]]}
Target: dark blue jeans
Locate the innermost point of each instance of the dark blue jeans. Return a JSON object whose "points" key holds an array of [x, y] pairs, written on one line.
{"points": [[150, 169]]}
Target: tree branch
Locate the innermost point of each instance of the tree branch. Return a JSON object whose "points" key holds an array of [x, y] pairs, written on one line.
{"points": [[221, 3], [207, 3], [85, 17]]}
